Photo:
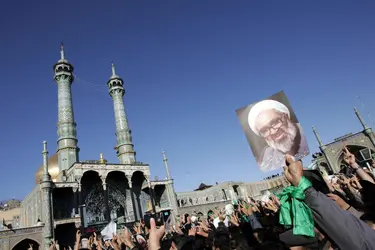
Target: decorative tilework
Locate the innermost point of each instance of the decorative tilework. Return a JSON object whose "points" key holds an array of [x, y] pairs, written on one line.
{"points": [[125, 148]]}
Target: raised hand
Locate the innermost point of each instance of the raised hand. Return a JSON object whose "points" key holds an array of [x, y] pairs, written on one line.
{"points": [[114, 237], [137, 228], [127, 238], [349, 158], [78, 235], [217, 212], [192, 231], [188, 220], [355, 183], [293, 170], [275, 200], [202, 232], [222, 216], [246, 209], [343, 181], [270, 206], [96, 242], [203, 225], [91, 241], [182, 219], [234, 220], [156, 234], [54, 246]]}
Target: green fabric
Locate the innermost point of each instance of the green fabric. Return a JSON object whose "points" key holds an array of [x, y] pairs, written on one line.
{"points": [[244, 217], [294, 212]]}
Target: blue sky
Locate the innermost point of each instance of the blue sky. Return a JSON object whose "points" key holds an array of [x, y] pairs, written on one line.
{"points": [[187, 66]]}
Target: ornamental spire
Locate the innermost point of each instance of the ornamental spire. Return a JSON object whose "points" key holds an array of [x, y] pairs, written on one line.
{"points": [[113, 69], [62, 53], [113, 76], [45, 159]]}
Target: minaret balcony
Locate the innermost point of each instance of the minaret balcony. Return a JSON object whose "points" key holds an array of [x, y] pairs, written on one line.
{"points": [[64, 73]]}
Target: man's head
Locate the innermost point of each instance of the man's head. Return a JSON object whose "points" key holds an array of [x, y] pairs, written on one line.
{"points": [[271, 120]]}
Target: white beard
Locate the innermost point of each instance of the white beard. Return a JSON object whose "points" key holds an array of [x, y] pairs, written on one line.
{"points": [[287, 143]]}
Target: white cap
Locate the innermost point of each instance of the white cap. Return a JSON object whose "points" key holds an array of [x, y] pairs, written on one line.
{"points": [[262, 106]]}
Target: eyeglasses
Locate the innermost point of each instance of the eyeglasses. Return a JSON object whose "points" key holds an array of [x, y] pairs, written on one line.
{"points": [[275, 126]]}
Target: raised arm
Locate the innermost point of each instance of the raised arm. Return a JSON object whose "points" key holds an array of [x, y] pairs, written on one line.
{"points": [[347, 231], [349, 158]]}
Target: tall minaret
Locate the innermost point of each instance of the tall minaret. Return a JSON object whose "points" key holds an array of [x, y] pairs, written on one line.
{"points": [[317, 137], [165, 160], [66, 127], [170, 190], [366, 129], [124, 147], [323, 150], [361, 120], [46, 186]]}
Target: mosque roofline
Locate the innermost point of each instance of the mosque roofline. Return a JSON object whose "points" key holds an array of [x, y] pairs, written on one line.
{"points": [[112, 164], [343, 138]]}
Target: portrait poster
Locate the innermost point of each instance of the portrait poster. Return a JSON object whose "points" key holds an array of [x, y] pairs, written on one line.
{"points": [[272, 130]]}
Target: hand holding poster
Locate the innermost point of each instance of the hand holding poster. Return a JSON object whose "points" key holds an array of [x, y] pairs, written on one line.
{"points": [[272, 130]]}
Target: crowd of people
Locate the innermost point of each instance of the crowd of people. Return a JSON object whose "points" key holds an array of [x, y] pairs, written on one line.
{"points": [[312, 213], [271, 177]]}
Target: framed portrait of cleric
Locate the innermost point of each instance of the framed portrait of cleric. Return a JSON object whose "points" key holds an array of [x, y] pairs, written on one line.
{"points": [[272, 130]]}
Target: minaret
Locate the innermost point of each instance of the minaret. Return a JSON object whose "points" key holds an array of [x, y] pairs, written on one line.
{"points": [[317, 137], [359, 116], [323, 149], [124, 147], [66, 127], [165, 160], [366, 129], [46, 186], [170, 190]]}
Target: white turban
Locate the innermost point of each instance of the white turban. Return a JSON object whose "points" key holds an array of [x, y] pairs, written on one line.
{"points": [[262, 106]]}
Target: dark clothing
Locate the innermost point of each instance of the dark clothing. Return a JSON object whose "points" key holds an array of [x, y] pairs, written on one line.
{"points": [[292, 240], [347, 231], [254, 222]]}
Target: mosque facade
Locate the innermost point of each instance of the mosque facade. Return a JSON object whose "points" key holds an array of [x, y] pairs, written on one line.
{"points": [[71, 193], [330, 159]]}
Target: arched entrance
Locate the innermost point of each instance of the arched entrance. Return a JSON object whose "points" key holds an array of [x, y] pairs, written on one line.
{"points": [[93, 197], [95, 204], [119, 200], [140, 197], [26, 244], [160, 195]]}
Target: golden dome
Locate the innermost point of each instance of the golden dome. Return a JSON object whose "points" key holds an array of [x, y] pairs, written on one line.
{"points": [[53, 169]]}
